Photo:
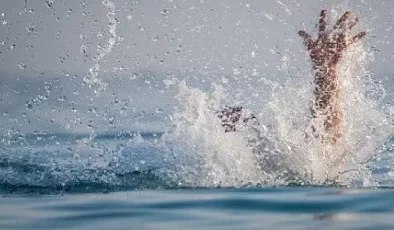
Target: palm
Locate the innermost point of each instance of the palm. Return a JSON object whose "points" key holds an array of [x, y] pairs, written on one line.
{"points": [[330, 45]]}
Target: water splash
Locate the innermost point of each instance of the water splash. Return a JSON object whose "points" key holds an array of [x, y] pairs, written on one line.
{"points": [[92, 79], [284, 150]]}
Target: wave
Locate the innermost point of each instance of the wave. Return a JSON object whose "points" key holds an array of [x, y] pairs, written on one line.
{"points": [[40, 172]]}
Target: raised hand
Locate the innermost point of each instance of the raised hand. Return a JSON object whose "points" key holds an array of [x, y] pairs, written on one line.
{"points": [[326, 52], [328, 48]]}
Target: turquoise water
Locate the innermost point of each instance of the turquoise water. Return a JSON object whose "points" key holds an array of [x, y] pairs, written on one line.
{"points": [[258, 208]]}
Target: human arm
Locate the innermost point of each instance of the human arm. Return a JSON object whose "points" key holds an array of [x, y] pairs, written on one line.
{"points": [[326, 52]]}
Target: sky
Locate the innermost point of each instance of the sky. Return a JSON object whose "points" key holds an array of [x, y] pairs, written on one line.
{"points": [[76, 65]]}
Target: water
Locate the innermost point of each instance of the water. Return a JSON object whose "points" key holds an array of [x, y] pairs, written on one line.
{"points": [[139, 188], [263, 208], [124, 132]]}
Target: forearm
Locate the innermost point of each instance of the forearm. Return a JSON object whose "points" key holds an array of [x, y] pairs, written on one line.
{"points": [[326, 100], [326, 86]]}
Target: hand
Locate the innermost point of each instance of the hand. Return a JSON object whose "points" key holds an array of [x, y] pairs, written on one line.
{"points": [[328, 48], [230, 117]]}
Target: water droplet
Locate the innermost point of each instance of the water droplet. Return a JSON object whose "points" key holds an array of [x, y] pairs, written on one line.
{"points": [[123, 111], [111, 120], [236, 71], [83, 49], [225, 80], [31, 30], [62, 98], [164, 12], [22, 65], [155, 38], [49, 3], [133, 76], [253, 54], [29, 105], [83, 4]]}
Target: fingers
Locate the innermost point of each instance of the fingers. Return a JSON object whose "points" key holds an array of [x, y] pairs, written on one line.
{"points": [[353, 23], [341, 22], [304, 35], [307, 38], [358, 37], [323, 21]]}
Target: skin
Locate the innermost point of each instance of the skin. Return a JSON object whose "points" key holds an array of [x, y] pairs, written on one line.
{"points": [[230, 116], [326, 52]]}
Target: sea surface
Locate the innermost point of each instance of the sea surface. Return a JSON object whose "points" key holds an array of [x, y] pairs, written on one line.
{"points": [[38, 191], [309, 208]]}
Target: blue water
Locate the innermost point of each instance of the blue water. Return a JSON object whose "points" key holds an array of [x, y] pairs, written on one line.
{"points": [[259, 208], [44, 186]]}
